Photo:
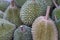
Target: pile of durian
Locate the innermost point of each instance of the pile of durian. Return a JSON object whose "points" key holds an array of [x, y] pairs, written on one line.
{"points": [[30, 20]]}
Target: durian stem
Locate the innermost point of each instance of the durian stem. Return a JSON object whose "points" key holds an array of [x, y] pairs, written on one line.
{"points": [[55, 3], [12, 3], [47, 12], [22, 28]]}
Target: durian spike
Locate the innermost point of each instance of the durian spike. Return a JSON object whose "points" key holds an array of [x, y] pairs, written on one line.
{"points": [[12, 3], [55, 3], [47, 12]]}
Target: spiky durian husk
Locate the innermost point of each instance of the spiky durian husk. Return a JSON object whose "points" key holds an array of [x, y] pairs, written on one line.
{"points": [[56, 12], [12, 15], [23, 33], [47, 2], [43, 29], [31, 10], [3, 5], [19, 3], [6, 30]]}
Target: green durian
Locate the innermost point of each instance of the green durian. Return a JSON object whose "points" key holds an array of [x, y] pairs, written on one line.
{"points": [[6, 30], [47, 2], [44, 28], [3, 5], [57, 20], [23, 33], [56, 12], [56, 17], [44, 3], [19, 3], [31, 10], [1, 14], [12, 14]]}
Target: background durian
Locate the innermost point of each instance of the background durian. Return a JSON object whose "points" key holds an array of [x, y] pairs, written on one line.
{"points": [[6, 30], [3, 5], [23, 33], [31, 10], [12, 14], [56, 17]]}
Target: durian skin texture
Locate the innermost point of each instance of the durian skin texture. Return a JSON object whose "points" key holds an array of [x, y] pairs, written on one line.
{"points": [[6, 29], [43, 29], [50, 3], [47, 2], [19, 3], [3, 5], [58, 27], [12, 15], [56, 12], [30, 11], [24, 34]]}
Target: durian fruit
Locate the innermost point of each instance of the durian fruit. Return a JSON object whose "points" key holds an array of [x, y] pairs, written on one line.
{"points": [[58, 27], [44, 28], [19, 3], [12, 14], [31, 10], [56, 17], [6, 30], [44, 3], [47, 2], [3, 5], [56, 11], [23, 33], [1, 14]]}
